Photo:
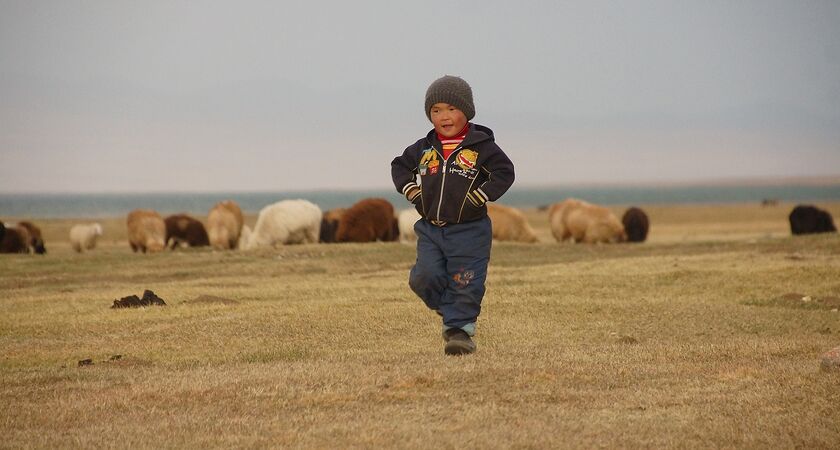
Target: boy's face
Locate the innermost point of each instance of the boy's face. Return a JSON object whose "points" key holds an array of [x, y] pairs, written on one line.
{"points": [[447, 119]]}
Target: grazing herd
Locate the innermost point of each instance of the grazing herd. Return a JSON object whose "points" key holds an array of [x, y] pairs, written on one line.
{"points": [[372, 219]]}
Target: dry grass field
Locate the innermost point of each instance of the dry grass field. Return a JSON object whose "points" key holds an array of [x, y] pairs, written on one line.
{"points": [[688, 340]]}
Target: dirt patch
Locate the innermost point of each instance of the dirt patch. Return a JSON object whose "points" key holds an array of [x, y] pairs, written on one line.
{"points": [[804, 301], [795, 257], [227, 284], [126, 361], [629, 340], [115, 361], [792, 296], [212, 300], [828, 301]]}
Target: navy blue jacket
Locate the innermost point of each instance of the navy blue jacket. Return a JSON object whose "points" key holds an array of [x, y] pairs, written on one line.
{"points": [[454, 190]]}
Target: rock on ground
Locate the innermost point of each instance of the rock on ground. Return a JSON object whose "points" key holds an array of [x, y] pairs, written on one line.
{"points": [[831, 360]]}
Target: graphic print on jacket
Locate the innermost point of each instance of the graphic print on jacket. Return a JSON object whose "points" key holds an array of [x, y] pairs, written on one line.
{"points": [[429, 162], [454, 190]]}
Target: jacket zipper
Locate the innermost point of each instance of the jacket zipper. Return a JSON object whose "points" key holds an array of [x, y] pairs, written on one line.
{"points": [[443, 179]]}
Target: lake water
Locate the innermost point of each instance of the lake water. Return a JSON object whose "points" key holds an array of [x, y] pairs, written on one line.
{"points": [[110, 205]]}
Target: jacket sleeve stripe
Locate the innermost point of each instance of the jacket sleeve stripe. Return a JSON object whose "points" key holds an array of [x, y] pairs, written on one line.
{"points": [[408, 187], [476, 199], [470, 198]]}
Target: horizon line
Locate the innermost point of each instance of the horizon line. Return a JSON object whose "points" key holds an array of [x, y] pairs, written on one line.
{"points": [[755, 181]]}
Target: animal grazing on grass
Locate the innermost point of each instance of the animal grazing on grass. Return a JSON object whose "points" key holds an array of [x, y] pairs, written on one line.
{"points": [[368, 220], [329, 224], [36, 240], [284, 222], [405, 222], [83, 236], [183, 229], [146, 231], [557, 217], [808, 219], [509, 224], [15, 240], [224, 225], [581, 221], [636, 224]]}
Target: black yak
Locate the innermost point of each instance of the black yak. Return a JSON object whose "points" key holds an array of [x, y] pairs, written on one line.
{"points": [[807, 219], [636, 224], [183, 228]]}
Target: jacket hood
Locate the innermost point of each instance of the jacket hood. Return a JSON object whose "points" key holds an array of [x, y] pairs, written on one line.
{"points": [[475, 134]]}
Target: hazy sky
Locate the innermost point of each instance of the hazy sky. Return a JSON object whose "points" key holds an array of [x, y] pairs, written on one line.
{"points": [[244, 95]]}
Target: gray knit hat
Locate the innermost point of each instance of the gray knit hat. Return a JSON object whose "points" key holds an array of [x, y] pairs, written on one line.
{"points": [[452, 90]]}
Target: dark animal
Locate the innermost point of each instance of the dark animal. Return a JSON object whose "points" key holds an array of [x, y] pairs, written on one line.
{"points": [[183, 228], [636, 224], [808, 219], [36, 240], [329, 225], [133, 301], [2, 231], [15, 241], [371, 219]]}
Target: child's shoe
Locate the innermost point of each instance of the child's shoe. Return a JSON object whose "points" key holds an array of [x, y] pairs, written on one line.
{"points": [[458, 342]]}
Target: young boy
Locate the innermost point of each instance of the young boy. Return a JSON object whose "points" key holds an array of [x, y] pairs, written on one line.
{"points": [[460, 168]]}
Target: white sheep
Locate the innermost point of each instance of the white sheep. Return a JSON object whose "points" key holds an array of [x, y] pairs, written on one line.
{"points": [[284, 222], [405, 221], [83, 236]]}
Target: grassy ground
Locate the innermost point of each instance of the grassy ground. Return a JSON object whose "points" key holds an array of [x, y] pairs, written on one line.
{"points": [[688, 340]]}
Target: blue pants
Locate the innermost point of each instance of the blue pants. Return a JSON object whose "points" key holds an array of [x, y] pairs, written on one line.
{"points": [[451, 269]]}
